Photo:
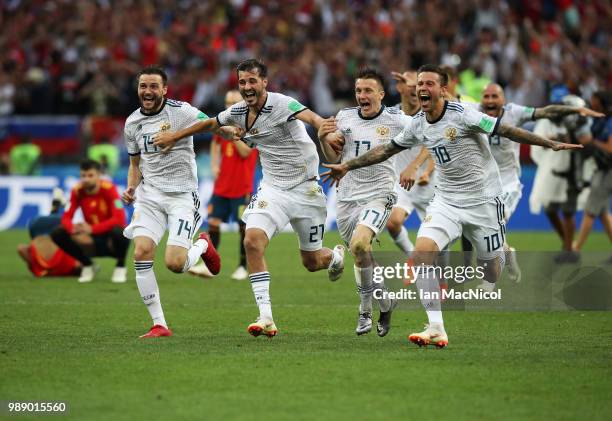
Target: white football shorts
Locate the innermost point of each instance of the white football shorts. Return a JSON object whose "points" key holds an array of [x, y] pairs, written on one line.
{"points": [[156, 211], [303, 207]]}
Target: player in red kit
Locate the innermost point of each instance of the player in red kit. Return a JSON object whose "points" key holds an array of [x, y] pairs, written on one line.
{"points": [[233, 166], [104, 222]]}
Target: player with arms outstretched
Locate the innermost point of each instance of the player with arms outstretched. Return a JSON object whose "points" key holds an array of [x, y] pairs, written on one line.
{"points": [[468, 186], [289, 191], [506, 153], [164, 185]]}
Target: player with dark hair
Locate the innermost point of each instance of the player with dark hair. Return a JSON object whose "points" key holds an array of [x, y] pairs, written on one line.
{"points": [[104, 222], [288, 193], [468, 186], [366, 196], [163, 183], [506, 153], [233, 166]]}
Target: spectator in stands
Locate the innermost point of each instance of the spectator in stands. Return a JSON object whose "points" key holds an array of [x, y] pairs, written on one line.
{"points": [[68, 47], [104, 222], [598, 202]]}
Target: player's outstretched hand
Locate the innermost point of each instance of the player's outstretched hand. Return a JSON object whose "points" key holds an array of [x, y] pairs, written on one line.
{"points": [[231, 133], [164, 140], [560, 146], [587, 112], [129, 195], [408, 177], [328, 126], [335, 173]]}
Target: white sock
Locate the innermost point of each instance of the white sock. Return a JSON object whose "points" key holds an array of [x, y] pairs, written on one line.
{"points": [[427, 283], [403, 241], [365, 287], [260, 283], [194, 253], [336, 257], [147, 286]]}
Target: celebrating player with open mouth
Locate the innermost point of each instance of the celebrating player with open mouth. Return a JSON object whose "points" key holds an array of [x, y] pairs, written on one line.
{"points": [[289, 192], [164, 185], [366, 196], [468, 187]]}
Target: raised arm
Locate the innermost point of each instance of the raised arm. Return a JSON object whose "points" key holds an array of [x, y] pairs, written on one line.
{"points": [[523, 136], [374, 156], [331, 140], [310, 117], [166, 140], [557, 111]]}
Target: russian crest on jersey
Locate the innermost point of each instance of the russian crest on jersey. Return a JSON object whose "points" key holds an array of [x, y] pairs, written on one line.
{"points": [[382, 131], [450, 133]]}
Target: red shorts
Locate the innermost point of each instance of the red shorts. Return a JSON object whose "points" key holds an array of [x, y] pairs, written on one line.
{"points": [[61, 264]]}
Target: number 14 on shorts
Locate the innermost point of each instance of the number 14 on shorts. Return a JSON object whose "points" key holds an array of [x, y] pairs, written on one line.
{"points": [[184, 228]]}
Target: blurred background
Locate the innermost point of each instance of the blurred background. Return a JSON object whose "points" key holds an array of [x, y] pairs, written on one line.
{"points": [[67, 69]]}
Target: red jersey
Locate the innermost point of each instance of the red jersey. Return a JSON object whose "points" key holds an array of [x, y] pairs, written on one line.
{"points": [[235, 173], [102, 210], [61, 264]]}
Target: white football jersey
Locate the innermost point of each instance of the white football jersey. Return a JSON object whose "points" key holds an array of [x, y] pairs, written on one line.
{"points": [[170, 172], [466, 173], [288, 155], [505, 151], [360, 135]]}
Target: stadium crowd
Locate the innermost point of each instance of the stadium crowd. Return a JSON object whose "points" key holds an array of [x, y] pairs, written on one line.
{"points": [[65, 57]]}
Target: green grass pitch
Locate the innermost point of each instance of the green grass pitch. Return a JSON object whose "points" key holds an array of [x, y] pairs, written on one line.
{"points": [[62, 341]]}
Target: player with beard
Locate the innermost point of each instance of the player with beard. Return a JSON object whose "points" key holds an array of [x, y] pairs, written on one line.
{"points": [[289, 191], [468, 186], [506, 153], [104, 217], [163, 184]]}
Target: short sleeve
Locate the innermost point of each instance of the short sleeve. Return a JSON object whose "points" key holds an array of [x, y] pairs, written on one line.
{"points": [[407, 138], [478, 122], [233, 116], [288, 107], [520, 113], [130, 142], [190, 115], [342, 122]]}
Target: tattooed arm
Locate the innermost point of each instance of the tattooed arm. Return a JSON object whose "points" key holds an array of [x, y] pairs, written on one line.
{"points": [[376, 155], [523, 136], [557, 111]]}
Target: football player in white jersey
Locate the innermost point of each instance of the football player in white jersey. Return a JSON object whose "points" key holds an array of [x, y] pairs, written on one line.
{"points": [[506, 152], [164, 187], [419, 196], [289, 191], [468, 187], [365, 196]]}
